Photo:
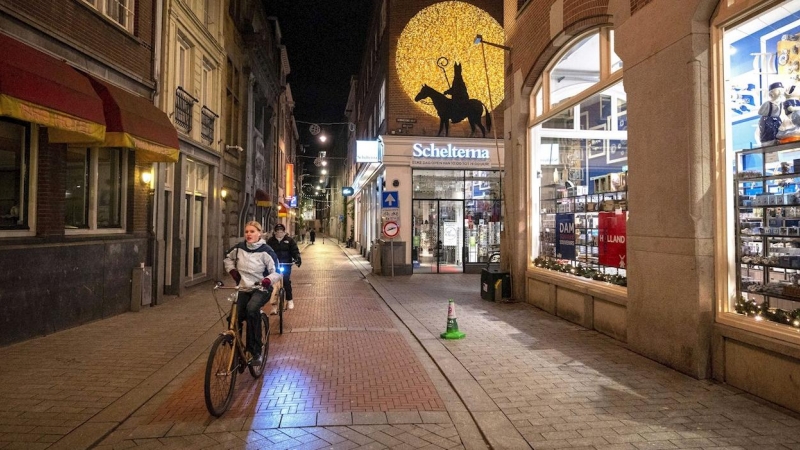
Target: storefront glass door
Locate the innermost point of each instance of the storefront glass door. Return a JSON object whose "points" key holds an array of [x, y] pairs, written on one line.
{"points": [[451, 236], [425, 236], [438, 236]]}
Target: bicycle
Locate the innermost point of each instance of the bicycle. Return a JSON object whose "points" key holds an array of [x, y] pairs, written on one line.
{"points": [[228, 356], [281, 293]]}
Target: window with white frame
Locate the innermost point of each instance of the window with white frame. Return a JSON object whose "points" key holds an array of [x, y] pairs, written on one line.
{"points": [[183, 68], [16, 198], [382, 104], [95, 195], [207, 86], [118, 11], [196, 204]]}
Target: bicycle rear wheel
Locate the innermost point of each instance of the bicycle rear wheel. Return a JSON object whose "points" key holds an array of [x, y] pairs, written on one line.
{"points": [[220, 375], [281, 306], [257, 371]]}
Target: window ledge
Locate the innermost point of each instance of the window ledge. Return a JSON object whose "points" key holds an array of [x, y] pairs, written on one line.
{"points": [[599, 289], [17, 233], [746, 329], [85, 232]]}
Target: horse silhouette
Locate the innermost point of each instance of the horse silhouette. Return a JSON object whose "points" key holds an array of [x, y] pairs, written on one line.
{"points": [[450, 110]]}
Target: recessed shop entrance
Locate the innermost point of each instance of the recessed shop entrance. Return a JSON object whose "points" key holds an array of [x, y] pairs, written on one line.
{"points": [[438, 232]]}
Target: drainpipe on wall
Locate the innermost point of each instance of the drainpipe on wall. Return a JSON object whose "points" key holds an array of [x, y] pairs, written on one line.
{"points": [[157, 39]]}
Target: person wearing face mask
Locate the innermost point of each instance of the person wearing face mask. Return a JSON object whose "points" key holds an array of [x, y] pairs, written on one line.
{"points": [[286, 249], [252, 265]]}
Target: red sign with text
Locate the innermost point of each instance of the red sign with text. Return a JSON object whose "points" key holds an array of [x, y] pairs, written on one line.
{"points": [[611, 238]]}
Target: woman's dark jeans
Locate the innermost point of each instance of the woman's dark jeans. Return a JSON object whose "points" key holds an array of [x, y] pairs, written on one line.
{"points": [[249, 306]]}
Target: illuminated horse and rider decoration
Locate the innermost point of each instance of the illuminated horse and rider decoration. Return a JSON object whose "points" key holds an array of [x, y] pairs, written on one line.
{"points": [[458, 107]]}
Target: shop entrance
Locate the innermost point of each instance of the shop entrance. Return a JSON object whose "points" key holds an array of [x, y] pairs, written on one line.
{"points": [[438, 236]]}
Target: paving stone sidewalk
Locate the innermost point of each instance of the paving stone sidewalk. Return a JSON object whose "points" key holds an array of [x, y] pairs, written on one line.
{"points": [[563, 386], [361, 366]]}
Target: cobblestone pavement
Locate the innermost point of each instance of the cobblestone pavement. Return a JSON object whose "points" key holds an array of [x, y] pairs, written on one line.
{"points": [[360, 365]]}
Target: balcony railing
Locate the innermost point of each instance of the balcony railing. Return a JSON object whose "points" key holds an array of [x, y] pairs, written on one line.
{"points": [[184, 103], [207, 119]]}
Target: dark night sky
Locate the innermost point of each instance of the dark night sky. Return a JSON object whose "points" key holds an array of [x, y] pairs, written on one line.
{"points": [[324, 40]]}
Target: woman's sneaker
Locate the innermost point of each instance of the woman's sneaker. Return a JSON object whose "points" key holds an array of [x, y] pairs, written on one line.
{"points": [[291, 304]]}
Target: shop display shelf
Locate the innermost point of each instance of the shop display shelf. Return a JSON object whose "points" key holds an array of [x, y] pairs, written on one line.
{"points": [[764, 190], [773, 295]]}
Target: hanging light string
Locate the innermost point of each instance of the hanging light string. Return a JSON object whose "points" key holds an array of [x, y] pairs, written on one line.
{"points": [[323, 123]]}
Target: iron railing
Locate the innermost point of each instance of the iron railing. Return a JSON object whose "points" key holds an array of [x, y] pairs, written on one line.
{"points": [[207, 119], [184, 103]]}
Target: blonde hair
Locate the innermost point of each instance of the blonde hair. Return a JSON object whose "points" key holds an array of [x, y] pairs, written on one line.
{"points": [[253, 224]]}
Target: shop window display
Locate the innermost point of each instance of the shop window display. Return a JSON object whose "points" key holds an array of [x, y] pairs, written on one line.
{"points": [[761, 70], [456, 218], [580, 162], [583, 191]]}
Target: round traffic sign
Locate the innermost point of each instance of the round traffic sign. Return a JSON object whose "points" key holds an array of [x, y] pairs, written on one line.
{"points": [[391, 229]]}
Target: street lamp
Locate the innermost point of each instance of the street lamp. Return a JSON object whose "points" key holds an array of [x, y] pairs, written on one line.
{"points": [[479, 40]]}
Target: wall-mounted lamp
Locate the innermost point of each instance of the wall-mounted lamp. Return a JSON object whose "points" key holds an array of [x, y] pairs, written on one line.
{"points": [[223, 193], [323, 171], [147, 177], [479, 40], [323, 138]]}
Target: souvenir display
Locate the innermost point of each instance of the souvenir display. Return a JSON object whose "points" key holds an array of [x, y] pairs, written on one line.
{"points": [[767, 200]]}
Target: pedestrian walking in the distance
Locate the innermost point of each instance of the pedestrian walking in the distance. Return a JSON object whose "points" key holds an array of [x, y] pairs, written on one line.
{"points": [[312, 236]]}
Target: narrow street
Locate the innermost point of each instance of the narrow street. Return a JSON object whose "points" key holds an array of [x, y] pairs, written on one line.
{"points": [[360, 365]]}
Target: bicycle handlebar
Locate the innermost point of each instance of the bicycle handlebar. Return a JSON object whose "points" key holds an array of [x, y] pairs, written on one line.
{"points": [[220, 285]]}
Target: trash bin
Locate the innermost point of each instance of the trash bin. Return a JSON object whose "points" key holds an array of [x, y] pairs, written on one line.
{"points": [[495, 284]]}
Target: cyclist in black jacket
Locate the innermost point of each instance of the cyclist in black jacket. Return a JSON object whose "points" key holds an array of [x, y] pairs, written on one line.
{"points": [[286, 249]]}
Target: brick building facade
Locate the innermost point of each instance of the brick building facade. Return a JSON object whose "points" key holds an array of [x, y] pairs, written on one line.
{"points": [[68, 259], [383, 108]]}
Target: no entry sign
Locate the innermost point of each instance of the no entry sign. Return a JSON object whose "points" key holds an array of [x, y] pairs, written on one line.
{"points": [[391, 229]]}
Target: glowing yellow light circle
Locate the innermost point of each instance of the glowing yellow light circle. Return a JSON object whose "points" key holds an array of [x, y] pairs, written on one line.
{"points": [[448, 29]]}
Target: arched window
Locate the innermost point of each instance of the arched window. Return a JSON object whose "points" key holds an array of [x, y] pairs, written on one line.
{"points": [[579, 162]]}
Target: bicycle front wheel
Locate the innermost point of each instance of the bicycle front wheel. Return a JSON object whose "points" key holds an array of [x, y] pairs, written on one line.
{"points": [[281, 307], [263, 332], [220, 375]]}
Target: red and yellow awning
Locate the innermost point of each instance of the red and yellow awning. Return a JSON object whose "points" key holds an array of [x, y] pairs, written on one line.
{"points": [[38, 88], [134, 122]]}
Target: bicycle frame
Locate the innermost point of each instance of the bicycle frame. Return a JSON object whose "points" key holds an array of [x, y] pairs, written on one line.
{"points": [[233, 325]]}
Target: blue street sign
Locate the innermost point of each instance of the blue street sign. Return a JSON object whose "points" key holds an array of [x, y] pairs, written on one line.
{"points": [[390, 199], [347, 191]]}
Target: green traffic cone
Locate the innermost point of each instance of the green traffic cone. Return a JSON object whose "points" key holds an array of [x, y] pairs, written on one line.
{"points": [[452, 323]]}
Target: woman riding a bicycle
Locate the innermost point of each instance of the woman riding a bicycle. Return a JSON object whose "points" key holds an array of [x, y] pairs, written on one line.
{"points": [[251, 263]]}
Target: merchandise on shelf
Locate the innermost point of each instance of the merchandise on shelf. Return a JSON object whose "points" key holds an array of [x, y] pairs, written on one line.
{"points": [[767, 228]]}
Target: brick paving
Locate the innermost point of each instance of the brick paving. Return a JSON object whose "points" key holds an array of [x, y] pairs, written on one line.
{"points": [[360, 365]]}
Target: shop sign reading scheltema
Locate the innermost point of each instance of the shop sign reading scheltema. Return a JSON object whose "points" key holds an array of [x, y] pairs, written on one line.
{"points": [[449, 156]]}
